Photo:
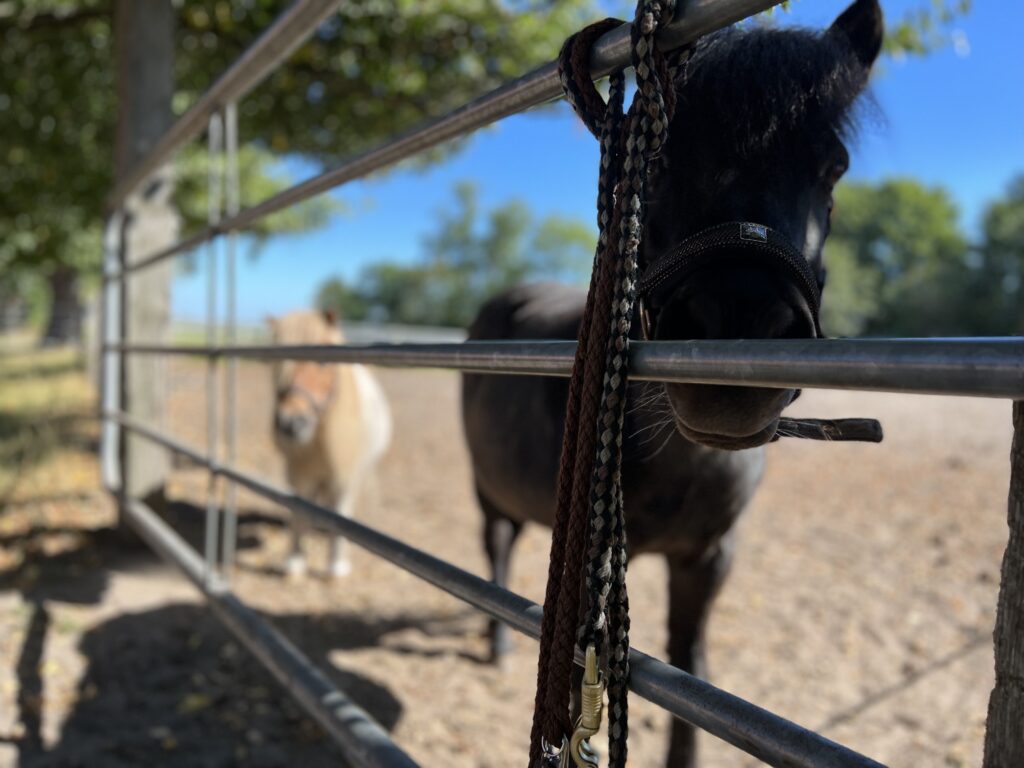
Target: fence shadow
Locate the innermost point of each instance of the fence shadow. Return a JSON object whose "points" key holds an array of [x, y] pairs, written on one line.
{"points": [[169, 686], [77, 574]]}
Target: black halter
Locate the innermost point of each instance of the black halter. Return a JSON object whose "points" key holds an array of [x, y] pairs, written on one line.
{"points": [[734, 239]]}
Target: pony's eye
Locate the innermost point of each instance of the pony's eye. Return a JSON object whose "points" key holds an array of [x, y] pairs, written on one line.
{"points": [[835, 172]]}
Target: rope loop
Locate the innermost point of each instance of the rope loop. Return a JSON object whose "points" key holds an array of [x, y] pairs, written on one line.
{"points": [[574, 72]]}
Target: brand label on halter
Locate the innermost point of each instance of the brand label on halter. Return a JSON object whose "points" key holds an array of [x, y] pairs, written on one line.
{"points": [[756, 232]]}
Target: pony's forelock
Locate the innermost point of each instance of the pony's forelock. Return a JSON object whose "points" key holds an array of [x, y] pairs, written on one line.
{"points": [[745, 89]]}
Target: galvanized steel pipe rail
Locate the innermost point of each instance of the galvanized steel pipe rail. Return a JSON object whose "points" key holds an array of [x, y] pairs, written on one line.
{"points": [[364, 742], [986, 367], [766, 736], [611, 52]]}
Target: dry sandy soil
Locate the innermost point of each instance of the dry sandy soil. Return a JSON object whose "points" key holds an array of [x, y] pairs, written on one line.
{"points": [[861, 604]]}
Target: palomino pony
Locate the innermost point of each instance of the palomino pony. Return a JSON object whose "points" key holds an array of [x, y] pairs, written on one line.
{"points": [[756, 146], [331, 424]]}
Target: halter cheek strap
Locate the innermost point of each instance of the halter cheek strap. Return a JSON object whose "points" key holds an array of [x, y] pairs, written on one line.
{"points": [[732, 240]]}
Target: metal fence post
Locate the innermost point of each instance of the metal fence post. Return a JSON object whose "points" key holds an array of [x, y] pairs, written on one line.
{"points": [[231, 206], [1004, 731], [215, 142], [110, 359], [144, 47]]}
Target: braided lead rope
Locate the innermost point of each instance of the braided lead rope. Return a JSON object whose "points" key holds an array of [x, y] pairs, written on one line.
{"points": [[607, 618], [568, 608], [562, 598], [590, 472]]}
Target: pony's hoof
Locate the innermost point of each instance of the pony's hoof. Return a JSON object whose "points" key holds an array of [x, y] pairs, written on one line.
{"points": [[295, 567], [340, 569]]}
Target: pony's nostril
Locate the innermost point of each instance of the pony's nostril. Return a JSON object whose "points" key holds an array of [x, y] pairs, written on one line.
{"points": [[287, 425], [782, 321]]}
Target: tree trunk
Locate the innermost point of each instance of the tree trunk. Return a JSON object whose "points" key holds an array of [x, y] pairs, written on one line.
{"points": [[1004, 731], [65, 323], [145, 65]]}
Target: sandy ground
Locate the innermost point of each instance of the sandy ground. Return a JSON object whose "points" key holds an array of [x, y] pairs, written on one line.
{"points": [[861, 604]]}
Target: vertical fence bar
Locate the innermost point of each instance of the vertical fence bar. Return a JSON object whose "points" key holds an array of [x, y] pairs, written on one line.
{"points": [[231, 206], [215, 142], [110, 359], [1004, 730]]}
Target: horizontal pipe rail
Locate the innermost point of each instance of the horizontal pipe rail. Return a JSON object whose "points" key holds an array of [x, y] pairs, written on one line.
{"points": [[970, 367], [288, 32], [363, 741], [766, 736], [611, 52]]}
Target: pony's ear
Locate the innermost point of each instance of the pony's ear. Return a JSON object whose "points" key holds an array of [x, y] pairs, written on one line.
{"points": [[330, 317], [862, 26]]}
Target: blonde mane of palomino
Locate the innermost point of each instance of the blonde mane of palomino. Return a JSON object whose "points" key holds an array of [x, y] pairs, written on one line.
{"points": [[353, 423]]}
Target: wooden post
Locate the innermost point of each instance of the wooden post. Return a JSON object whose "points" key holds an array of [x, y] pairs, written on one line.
{"points": [[1004, 732], [145, 71]]}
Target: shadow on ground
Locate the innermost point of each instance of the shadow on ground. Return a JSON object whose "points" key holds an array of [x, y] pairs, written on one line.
{"points": [[185, 694], [181, 690]]}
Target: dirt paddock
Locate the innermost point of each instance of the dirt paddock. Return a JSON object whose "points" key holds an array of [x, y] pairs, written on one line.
{"points": [[861, 604]]}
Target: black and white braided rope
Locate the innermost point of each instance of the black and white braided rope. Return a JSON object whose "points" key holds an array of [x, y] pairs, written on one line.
{"points": [[607, 617]]}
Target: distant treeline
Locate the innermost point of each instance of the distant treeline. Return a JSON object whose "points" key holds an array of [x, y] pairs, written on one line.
{"points": [[898, 264]]}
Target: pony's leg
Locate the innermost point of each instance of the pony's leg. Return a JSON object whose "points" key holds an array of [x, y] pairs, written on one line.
{"points": [[295, 566], [338, 563], [692, 589], [500, 534]]}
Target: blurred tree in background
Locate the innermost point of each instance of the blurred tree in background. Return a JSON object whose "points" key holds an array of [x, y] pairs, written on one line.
{"points": [[465, 262], [899, 263], [900, 243], [376, 67], [995, 301]]}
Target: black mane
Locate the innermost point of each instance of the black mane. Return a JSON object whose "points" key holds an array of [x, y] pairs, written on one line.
{"points": [[745, 89]]}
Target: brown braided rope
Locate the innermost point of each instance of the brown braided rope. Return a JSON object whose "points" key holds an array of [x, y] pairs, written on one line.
{"points": [[563, 597], [589, 493]]}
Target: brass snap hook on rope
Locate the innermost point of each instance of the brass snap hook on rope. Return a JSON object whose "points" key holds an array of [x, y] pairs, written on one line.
{"points": [[589, 721]]}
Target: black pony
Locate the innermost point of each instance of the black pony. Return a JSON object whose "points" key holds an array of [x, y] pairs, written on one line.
{"points": [[755, 148]]}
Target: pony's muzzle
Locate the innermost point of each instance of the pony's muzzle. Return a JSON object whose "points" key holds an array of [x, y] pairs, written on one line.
{"points": [[736, 299], [293, 426]]}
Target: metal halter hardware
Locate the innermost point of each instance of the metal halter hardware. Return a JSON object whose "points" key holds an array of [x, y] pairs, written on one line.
{"points": [[733, 239]]}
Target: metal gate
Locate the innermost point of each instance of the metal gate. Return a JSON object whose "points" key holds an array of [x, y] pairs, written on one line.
{"points": [[964, 367]]}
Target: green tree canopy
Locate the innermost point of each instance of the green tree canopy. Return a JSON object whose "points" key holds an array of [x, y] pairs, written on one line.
{"points": [[375, 68], [896, 245], [996, 299], [467, 259]]}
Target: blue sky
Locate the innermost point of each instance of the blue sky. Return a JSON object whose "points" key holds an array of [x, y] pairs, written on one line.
{"points": [[953, 118]]}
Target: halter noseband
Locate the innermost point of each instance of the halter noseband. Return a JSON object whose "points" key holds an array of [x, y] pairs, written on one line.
{"points": [[732, 240], [318, 405]]}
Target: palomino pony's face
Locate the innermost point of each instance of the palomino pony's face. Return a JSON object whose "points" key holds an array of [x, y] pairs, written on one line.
{"points": [[756, 138], [304, 390]]}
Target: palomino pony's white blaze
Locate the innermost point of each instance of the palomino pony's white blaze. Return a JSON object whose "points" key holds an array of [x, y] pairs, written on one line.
{"points": [[331, 424]]}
